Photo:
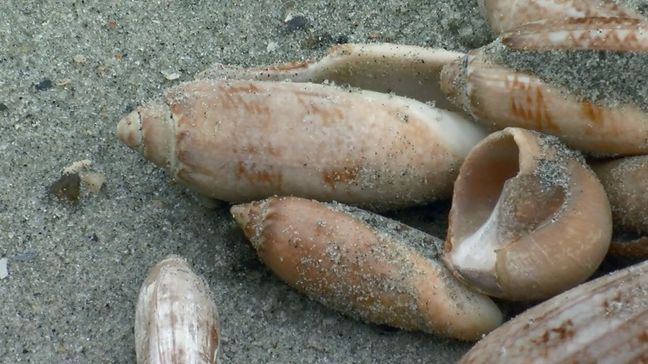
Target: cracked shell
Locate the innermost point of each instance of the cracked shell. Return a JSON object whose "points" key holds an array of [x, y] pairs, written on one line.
{"points": [[364, 265], [528, 220]]}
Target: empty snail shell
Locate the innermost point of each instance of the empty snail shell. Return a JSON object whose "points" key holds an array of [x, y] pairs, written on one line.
{"points": [[245, 140], [602, 321], [528, 220], [176, 319], [506, 15], [364, 265], [500, 97]]}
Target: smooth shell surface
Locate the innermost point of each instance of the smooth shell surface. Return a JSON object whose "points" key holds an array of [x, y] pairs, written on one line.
{"points": [[241, 141], [602, 321], [529, 219], [500, 97], [506, 15], [176, 320], [393, 68], [364, 265]]}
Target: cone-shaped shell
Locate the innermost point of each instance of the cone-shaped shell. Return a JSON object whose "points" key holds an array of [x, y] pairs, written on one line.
{"points": [[402, 69], [176, 319], [364, 265], [602, 321], [505, 15], [500, 97], [528, 220], [245, 140], [626, 183]]}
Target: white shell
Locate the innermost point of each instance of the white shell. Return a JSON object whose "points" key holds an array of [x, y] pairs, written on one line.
{"points": [[176, 320]]}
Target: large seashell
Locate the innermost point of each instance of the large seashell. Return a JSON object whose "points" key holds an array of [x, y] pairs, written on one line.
{"points": [[602, 321], [402, 69], [364, 265], [176, 319], [245, 140], [528, 220], [499, 97], [626, 182], [608, 34], [506, 15]]}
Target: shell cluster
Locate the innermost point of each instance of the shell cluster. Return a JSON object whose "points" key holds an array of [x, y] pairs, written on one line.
{"points": [[304, 150]]}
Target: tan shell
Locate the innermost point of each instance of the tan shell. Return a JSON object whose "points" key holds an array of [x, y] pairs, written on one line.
{"points": [[609, 34], [364, 265], [500, 97], [602, 321], [506, 15], [402, 69], [241, 141], [626, 183], [176, 320], [528, 220]]}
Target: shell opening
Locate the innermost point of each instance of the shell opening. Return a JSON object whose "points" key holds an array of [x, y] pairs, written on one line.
{"points": [[497, 203]]}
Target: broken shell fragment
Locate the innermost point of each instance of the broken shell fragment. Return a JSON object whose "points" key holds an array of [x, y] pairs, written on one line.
{"points": [[364, 265], [626, 182], [528, 102], [405, 70], [241, 141], [506, 15], [176, 319], [602, 321], [528, 220]]}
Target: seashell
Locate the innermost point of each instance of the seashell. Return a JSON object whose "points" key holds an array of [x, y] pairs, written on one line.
{"points": [[609, 34], [176, 319], [402, 69], [506, 15], [528, 220], [364, 265], [525, 101], [626, 182], [241, 141], [602, 321]]}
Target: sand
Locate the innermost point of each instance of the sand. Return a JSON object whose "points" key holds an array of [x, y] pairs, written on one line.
{"points": [[68, 71]]}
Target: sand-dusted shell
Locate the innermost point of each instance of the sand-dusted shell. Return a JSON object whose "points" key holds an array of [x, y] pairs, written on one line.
{"points": [[528, 220], [176, 320], [364, 265], [245, 140], [602, 321], [626, 183], [506, 15], [404, 70], [499, 97]]}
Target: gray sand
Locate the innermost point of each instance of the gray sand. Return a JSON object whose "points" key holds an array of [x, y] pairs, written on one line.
{"points": [[68, 71]]}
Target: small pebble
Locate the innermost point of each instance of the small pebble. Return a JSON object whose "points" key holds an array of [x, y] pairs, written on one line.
{"points": [[93, 181], [3, 107], [4, 272], [80, 59], [68, 187], [170, 75], [44, 85], [272, 46], [295, 23]]}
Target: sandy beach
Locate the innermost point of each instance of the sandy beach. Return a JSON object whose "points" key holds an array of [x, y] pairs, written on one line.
{"points": [[68, 71]]}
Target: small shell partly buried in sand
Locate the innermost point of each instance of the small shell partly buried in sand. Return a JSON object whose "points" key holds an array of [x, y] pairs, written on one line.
{"points": [[176, 319], [499, 97], [241, 141], [602, 321], [505, 15], [626, 183], [365, 266], [529, 219]]}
